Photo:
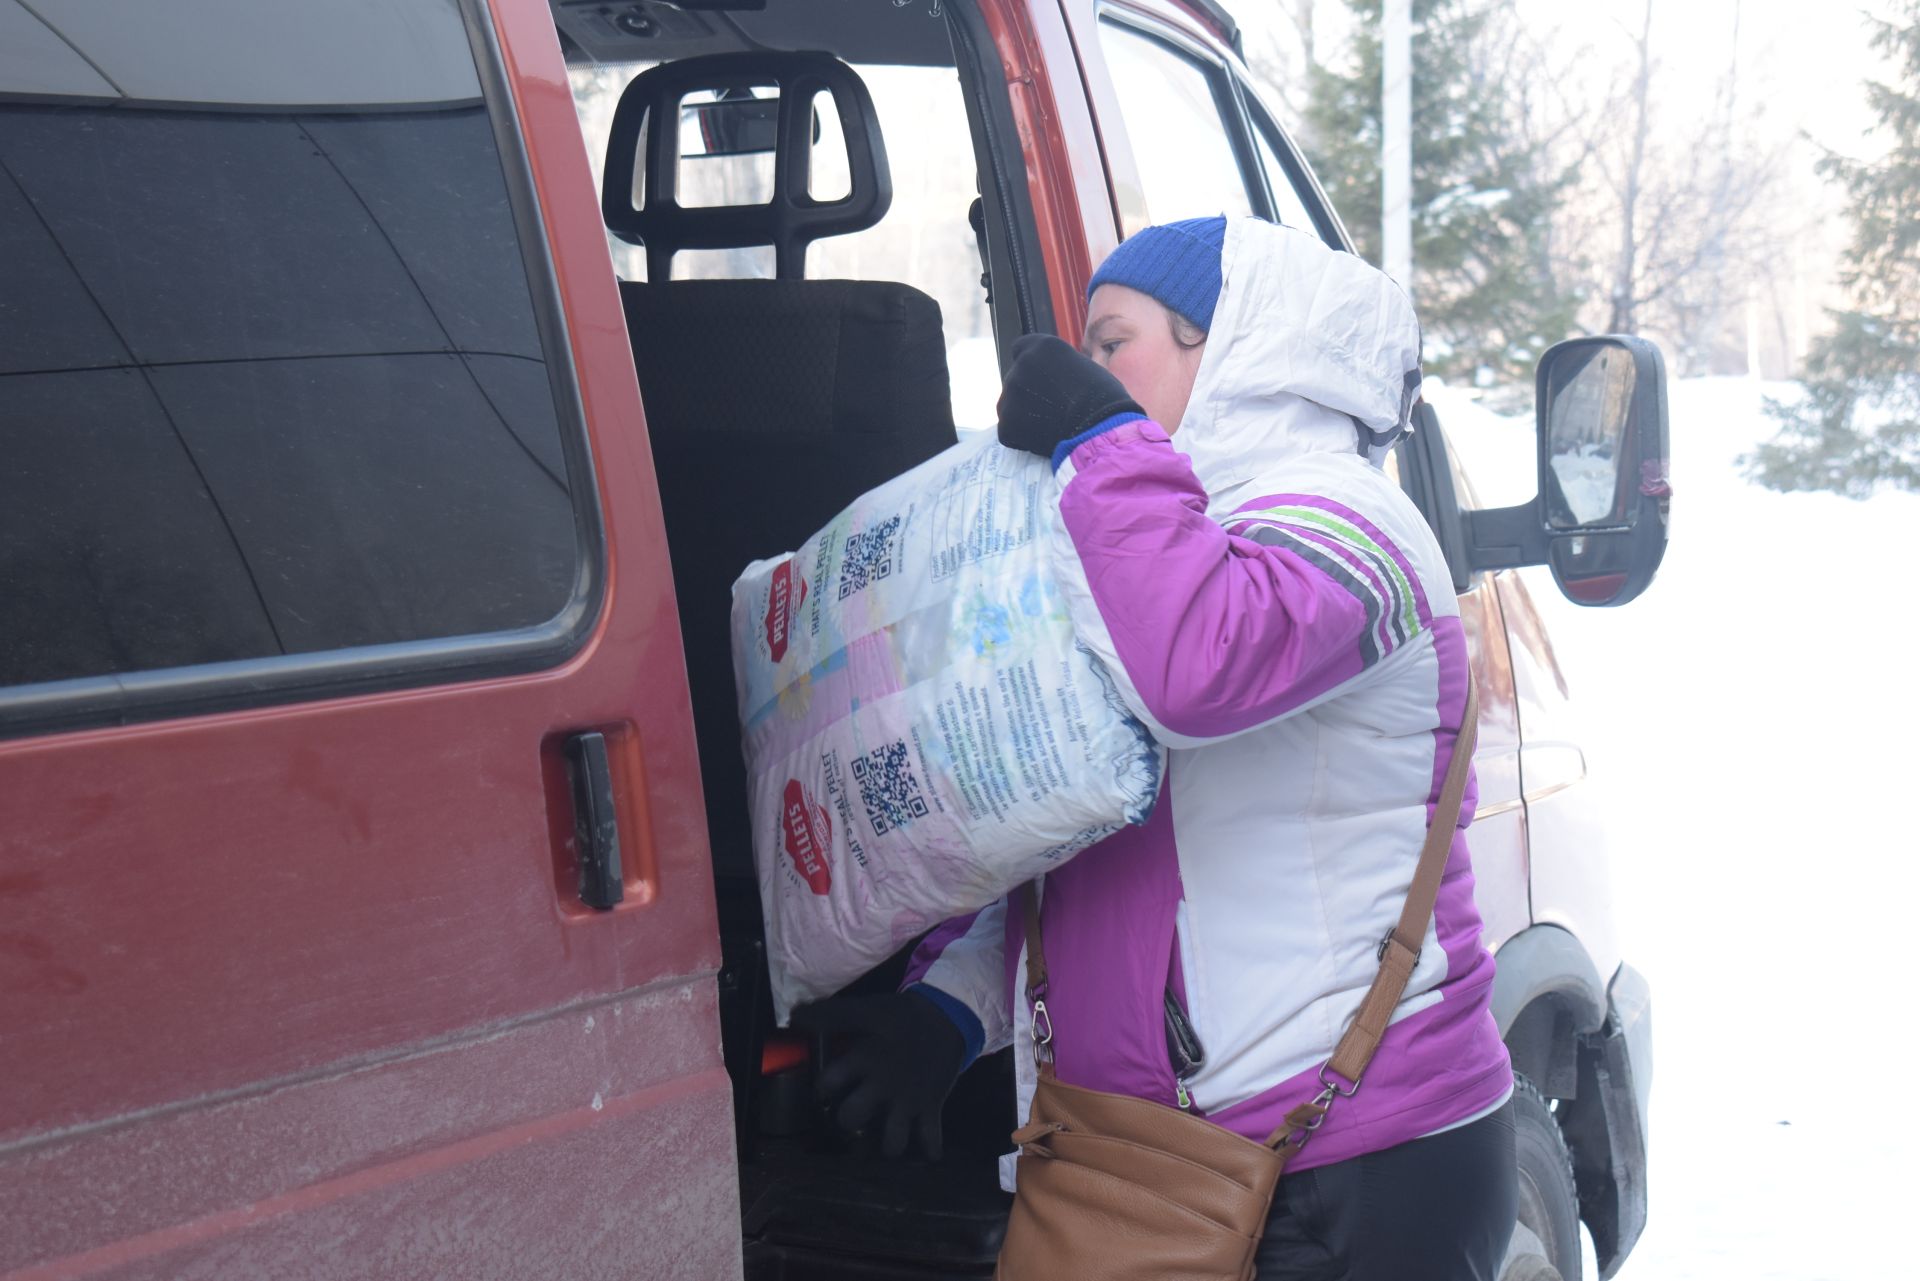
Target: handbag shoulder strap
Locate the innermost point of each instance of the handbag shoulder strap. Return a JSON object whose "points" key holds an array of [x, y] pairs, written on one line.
{"points": [[1399, 951]]}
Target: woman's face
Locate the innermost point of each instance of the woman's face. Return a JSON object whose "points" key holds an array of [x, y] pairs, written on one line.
{"points": [[1132, 337]]}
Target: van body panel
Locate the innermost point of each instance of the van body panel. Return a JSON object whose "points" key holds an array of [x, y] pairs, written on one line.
{"points": [[1572, 882], [306, 990], [1499, 836], [510, 1210], [1569, 867], [522, 1150]]}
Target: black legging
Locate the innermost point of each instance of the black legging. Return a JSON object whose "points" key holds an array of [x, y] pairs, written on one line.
{"points": [[1436, 1209]]}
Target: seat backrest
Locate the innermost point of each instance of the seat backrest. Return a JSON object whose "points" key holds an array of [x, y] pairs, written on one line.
{"points": [[771, 404]]}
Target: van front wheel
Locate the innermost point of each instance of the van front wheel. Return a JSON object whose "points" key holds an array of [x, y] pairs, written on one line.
{"points": [[1546, 1240]]}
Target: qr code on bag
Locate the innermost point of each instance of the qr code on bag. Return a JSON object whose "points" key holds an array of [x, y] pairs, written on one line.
{"points": [[888, 788], [868, 556]]}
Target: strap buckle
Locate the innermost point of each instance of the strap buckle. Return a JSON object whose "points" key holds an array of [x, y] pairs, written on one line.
{"points": [[1324, 1102], [1380, 953], [1042, 1027], [1328, 1089]]}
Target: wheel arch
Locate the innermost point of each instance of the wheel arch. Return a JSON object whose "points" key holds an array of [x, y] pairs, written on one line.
{"points": [[1546, 995], [1585, 1044]]}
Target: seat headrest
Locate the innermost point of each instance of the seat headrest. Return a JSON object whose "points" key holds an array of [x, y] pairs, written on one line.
{"points": [[791, 219]]}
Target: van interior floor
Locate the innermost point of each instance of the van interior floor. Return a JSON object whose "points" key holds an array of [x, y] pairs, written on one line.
{"points": [[809, 1214], [817, 1203]]}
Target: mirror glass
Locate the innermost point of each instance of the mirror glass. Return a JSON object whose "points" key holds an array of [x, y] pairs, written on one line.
{"points": [[1589, 396], [730, 122]]}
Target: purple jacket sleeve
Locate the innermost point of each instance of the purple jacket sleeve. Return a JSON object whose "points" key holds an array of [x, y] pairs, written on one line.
{"points": [[961, 968], [1214, 629]]}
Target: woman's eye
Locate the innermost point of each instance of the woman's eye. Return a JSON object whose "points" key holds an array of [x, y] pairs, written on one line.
{"points": [[1108, 348]]}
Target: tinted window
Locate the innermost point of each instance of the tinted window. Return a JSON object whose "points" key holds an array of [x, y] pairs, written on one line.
{"points": [[1289, 206], [270, 381], [1175, 128]]}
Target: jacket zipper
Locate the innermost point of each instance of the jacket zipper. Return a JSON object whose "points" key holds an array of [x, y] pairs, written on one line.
{"points": [[1184, 1052]]}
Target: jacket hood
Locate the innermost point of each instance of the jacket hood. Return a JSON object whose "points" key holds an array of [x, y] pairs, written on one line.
{"points": [[1311, 351]]}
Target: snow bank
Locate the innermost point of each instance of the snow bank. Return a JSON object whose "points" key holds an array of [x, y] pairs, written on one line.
{"points": [[1760, 742]]}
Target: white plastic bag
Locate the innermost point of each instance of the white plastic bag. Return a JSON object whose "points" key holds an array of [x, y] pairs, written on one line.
{"points": [[922, 732]]}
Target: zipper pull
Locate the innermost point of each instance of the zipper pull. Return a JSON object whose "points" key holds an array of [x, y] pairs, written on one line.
{"points": [[1181, 1096]]}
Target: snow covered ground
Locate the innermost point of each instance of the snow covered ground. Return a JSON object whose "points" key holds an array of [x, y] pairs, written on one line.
{"points": [[1755, 715]]}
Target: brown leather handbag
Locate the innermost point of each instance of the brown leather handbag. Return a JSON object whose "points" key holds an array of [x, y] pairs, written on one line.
{"points": [[1123, 1189]]}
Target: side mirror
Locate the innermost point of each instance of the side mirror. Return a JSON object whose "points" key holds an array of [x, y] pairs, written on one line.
{"points": [[1600, 517]]}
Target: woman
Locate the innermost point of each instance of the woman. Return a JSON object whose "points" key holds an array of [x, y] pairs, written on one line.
{"points": [[1279, 615]]}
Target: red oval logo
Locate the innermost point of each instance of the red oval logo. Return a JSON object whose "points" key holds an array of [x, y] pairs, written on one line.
{"points": [[808, 833], [783, 602]]}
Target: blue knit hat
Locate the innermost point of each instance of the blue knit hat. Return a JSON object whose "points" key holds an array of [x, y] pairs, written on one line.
{"points": [[1175, 263]]}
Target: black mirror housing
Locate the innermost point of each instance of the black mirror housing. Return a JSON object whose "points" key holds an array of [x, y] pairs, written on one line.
{"points": [[1600, 516]]}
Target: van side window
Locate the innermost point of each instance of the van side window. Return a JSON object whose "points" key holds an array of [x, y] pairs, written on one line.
{"points": [[1176, 126], [270, 378], [1289, 206]]}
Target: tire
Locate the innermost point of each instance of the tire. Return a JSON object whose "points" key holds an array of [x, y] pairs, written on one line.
{"points": [[1546, 1240]]}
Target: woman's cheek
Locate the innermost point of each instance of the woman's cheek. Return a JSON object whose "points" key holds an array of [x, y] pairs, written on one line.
{"points": [[1134, 377]]}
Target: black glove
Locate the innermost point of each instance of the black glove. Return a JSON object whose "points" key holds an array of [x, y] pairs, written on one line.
{"points": [[1053, 393], [900, 1067]]}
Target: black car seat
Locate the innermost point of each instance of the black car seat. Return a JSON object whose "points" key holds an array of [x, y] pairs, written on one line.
{"points": [[770, 405]]}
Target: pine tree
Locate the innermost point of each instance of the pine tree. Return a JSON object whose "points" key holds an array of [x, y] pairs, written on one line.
{"points": [[1482, 196], [1858, 426]]}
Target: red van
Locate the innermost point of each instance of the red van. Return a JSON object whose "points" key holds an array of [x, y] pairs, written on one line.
{"points": [[389, 394]]}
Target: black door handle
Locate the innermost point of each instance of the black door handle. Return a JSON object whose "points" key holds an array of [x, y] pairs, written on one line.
{"points": [[596, 829]]}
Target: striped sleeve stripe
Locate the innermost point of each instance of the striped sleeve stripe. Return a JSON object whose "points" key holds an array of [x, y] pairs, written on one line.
{"points": [[1352, 536], [1383, 631], [1373, 592], [1362, 538], [1384, 584], [1367, 529]]}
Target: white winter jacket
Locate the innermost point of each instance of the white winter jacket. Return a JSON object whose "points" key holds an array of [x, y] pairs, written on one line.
{"points": [[1277, 611]]}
